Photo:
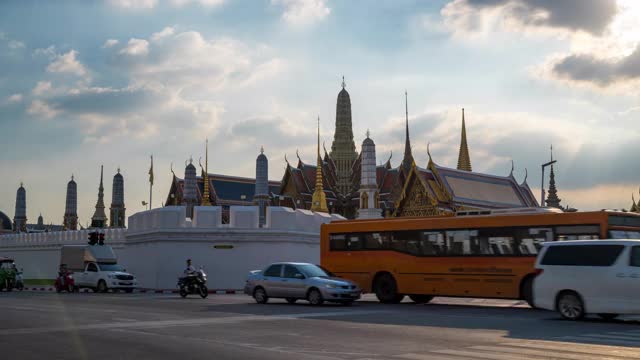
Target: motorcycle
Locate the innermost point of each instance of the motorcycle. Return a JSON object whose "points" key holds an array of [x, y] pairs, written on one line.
{"points": [[65, 282], [19, 280], [194, 283]]}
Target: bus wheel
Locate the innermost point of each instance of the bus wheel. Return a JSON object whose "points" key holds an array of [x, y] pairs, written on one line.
{"points": [[420, 299], [386, 289]]}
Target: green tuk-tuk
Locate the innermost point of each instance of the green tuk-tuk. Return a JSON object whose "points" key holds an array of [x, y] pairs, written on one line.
{"points": [[7, 274]]}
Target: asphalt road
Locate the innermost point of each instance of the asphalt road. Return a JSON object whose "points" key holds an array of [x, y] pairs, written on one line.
{"points": [[148, 326]]}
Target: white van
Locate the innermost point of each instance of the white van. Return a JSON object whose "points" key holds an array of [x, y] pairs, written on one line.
{"points": [[581, 277]]}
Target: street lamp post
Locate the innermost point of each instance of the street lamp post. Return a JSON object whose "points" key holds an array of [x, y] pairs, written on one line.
{"points": [[542, 181]]}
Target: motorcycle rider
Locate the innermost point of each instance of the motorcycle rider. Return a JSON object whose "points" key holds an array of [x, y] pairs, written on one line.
{"points": [[190, 270], [62, 273]]}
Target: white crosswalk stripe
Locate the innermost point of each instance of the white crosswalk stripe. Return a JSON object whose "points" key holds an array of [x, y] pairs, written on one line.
{"points": [[600, 346]]}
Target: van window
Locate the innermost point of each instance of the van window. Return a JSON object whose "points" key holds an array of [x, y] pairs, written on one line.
{"points": [[635, 256], [582, 255], [92, 267]]}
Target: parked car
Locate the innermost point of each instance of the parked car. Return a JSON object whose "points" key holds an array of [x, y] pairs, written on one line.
{"points": [[583, 277], [295, 281]]}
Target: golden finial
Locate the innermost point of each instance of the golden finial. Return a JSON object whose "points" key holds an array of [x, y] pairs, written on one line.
{"points": [[319, 198], [343, 83]]}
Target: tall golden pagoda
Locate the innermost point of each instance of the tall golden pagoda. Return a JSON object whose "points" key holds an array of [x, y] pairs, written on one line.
{"points": [[205, 196], [464, 161], [319, 199]]}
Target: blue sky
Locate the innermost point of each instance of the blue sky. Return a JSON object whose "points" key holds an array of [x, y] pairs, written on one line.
{"points": [[85, 83]]}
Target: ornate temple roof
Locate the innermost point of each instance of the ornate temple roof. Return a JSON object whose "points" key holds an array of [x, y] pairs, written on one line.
{"points": [[5, 222], [224, 190]]}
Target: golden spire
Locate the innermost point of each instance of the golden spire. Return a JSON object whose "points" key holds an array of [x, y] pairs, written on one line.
{"points": [[319, 199], [205, 196], [464, 162]]}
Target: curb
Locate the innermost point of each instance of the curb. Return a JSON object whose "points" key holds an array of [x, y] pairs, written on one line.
{"points": [[143, 291]]}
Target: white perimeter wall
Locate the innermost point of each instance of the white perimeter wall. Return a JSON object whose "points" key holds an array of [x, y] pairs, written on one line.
{"points": [[158, 242]]}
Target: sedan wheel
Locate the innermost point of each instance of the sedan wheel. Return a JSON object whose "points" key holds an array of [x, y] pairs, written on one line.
{"points": [[261, 296], [315, 297], [570, 306]]}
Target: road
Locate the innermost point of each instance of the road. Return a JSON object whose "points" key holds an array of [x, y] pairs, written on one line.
{"points": [[156, 326]]}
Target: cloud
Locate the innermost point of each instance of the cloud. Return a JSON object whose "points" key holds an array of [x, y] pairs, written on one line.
{"points": [[49, 52], [13, 99], [177, 83], [133, 4], [110, 43], [303, 12], [42, 88], [473, 16], [136, 47], [67, 63], [588, 69], [39, 108], [14, 44], [205, 3]]}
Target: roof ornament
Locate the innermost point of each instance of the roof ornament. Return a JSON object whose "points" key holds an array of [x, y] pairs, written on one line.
{"points": [[298, 156], [286, 160], [200, 163], [71, 176], [512, 166], [261, 149], [171, 167], [429, 152], [390, 156], [343, 83], [526, 174]]}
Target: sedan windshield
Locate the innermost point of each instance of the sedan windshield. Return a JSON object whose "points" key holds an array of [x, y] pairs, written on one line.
{"points": [[312, 271], [111, 267]]}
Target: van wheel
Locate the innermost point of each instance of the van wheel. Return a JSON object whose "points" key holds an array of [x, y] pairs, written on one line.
{"points": [[386, 289], [570, 305], [420, 299], [102, 287], [608, 317]]}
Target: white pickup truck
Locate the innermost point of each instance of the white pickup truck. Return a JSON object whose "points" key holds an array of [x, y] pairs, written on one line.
{"points": [[96, 267]]}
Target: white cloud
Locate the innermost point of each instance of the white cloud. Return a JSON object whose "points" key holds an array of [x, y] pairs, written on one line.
{"points": [[67, 63], [41, 108], [168, 31], [303, 12], [134, 4], [49, 52], [42, 88], [110, 43], [14, 44], [136, 47], [205, 3], [13, 99]]}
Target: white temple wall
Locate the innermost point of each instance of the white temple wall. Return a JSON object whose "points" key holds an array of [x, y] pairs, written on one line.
{"points": [[158, 242]]}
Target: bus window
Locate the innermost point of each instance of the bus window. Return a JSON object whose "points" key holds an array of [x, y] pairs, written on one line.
{"points": [[338, 242], [620, 234], [373, 241], [497, 241], [577, 232], [432, 243], [354, 242], [530, 240], [459, 242]]}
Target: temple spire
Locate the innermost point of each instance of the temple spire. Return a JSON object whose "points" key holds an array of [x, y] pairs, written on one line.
{"points": [[319, 199], [407, 161], [552, 194], [99, 218], [205, 194], [464, 161]]}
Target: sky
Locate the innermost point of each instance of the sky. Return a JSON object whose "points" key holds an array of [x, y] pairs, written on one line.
{"points": [[90, 83]]}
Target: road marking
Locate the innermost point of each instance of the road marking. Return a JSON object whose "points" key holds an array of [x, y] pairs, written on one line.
{"points": [[583, 348], [567, 353], [600, 340], [181, 322]]}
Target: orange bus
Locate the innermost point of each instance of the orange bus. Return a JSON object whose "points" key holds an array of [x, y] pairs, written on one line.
{"points": [[474, 254]]}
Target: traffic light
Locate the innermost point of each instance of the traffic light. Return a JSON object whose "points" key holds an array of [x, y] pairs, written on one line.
{"points": [[101, 239], [93, 238]]}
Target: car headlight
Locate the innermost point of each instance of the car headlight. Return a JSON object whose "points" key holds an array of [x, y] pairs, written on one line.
{"points": [[330, 286], [111, 276]]}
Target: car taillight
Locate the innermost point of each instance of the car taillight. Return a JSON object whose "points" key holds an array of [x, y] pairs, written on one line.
{"points": [[538, 271]]}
